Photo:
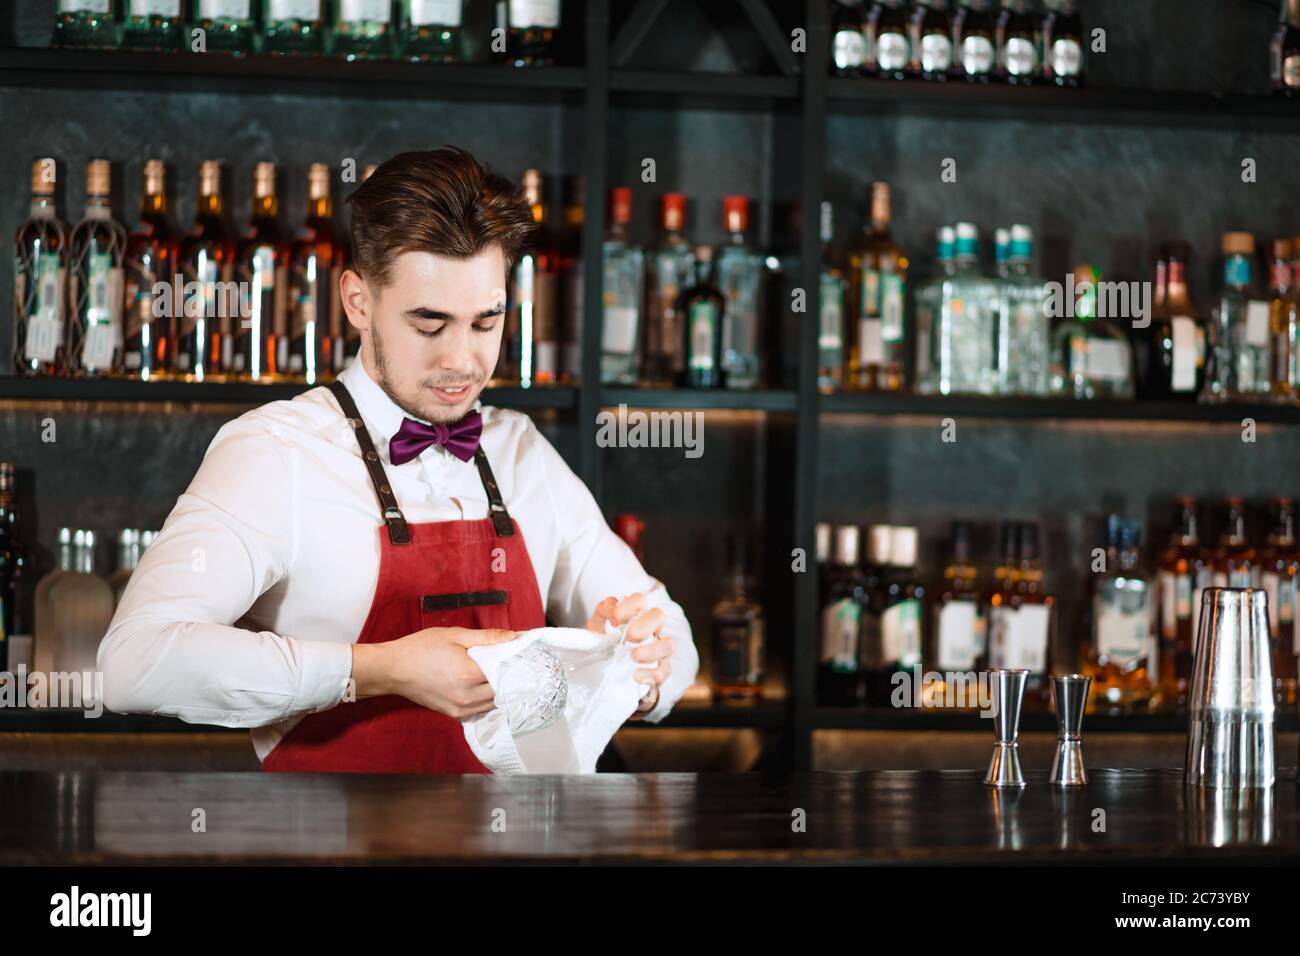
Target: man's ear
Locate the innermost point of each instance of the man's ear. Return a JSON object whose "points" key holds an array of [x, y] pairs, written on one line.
{"points": [[354, 293]]}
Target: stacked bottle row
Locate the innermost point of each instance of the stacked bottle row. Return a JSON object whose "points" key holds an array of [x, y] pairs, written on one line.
{"points": [[1011, 332], [526, 32], [880, 619], [967, 39]]}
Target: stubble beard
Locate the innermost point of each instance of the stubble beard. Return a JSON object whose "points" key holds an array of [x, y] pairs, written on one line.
{"points": [[434, 413]]}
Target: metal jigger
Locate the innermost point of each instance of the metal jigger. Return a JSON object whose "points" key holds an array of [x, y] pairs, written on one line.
{"points": [[1008, 693], [1070, 695], [1230, 710]]}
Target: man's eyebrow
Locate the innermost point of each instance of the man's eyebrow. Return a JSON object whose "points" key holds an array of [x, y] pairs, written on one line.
{"points": [[422, 312]]}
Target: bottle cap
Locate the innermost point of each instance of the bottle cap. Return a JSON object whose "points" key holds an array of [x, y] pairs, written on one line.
{"points": [[209, 177], [880, 204], [155, 172], [318, 181], [879, 546], [263, 180], [902, 547], [823, 539], [672, 211], [1282, 249], [967, 230], [629, 528], [826, 229], [1238, 244], [98, 177], [735, 213], [43, 184], [620, 205], [848, 545]]}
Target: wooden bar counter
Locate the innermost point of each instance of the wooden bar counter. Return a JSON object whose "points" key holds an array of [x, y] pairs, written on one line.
{"points": [[885, 817]]}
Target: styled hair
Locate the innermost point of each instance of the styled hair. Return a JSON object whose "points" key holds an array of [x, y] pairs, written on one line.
{"points": [[442, 201]]}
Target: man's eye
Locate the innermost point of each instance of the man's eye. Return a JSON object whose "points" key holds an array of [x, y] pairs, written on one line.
{"points": [[484, 328], [429, 335]]}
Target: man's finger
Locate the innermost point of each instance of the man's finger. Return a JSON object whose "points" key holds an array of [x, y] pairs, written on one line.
{"points": [[488, 635], [651, 651], [646, 625], [604, 612], [629, 607]]}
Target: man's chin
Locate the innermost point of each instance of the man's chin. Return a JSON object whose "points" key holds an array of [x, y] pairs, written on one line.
{"points": [[441, 406]]}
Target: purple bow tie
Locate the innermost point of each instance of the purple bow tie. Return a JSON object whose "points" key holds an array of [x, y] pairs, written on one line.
{"points": [[460, 438]]}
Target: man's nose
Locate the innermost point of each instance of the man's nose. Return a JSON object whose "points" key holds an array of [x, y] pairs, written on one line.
{"points": [[456, 355]]}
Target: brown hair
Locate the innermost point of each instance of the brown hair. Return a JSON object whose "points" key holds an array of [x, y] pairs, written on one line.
{"points": [[442, 201]]}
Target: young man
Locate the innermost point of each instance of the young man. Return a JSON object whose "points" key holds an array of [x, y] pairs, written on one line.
{"points": [[371, 531]]}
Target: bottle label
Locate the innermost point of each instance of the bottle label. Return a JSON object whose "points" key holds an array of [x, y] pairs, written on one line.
{"points": [[1291, 72], [840, 634], [1067, 57], [958, 636], [1019, 638], [703, 322], [976, 55], [936, 53], [738, 276], [1020, 56], [155, 8], [1106, 361], [1272, 588], [293, 9], [97, 350], [1122, 636], [891, 51], [738, 656], [871, 346], [891, 307], [1189, 351], [830, 332], [423, 13], [542, 14], [850, 50], [620, 330], [83, 6], [900, 634], [1167, 582], [1257, 334], [224, 9], [365, 11], [870, 285], [49, 287], [1285, 599]]}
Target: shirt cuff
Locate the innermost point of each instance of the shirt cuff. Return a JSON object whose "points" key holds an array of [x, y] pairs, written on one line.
{"points": [[326, 672]]}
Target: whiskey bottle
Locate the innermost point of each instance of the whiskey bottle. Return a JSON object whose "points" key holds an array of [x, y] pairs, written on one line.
{"points": [[1281, 563], [1091, 357], [739, 274], [535, 293], [128, 556], [1242, 363], [1016, 42], [153, 25], [431, 30], [957, 635], [1183, 572], [739, 651], [149, 270], [887, 39], [209, 310], [879, 275], [622, 292], [1236, 562], [227, 25], [1284, 323], [1284, 51], [1172, 354], [532, 28], [95, 287], [1021, 615], [363, 29], [346, 357], [830, 324], [703, 308], [875, 666], [85, 24], [316, 315], [40, 270], [293, 27], [933, 53], [1121, 654], [261, 351], [843, 602], [15, 605], [1063, 51], [848, 38], [902, 620], [671, 269], [973, 34]]}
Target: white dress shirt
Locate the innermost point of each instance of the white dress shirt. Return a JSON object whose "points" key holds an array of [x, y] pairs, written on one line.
{"points": [[243, 611]]}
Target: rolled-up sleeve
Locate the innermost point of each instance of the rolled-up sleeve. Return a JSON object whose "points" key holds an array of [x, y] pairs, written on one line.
{"points": [[172, 648]]}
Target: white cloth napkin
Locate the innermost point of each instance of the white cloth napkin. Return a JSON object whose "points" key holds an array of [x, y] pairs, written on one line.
{"points": [[561, 694]]}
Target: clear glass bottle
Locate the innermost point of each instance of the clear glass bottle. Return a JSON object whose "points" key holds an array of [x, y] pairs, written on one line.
{"points": [[128, 556], [1242, 346], [887, 39], [1024, 329], [40, 270], [1284, 322], [1017, 44], [843, 602], [530, 350], [1121, 656], [1064, 54], [962, 353], [81, 608], [363, 29], [739, 651], [974, 36], [931, 297], [1172, 354], [1091, 357], [704, 309], [430, 31], [15, 605], [227, 25], [671, 271], [1281, 564], [293, 27], [1001, 249], [95, 288], [85, 24], [210, 302], [43, 646], [848, 38], [532, 31], [1183, 572], [149, 271], [933, 54], [261, 347], [315, 329], [739, 271], [622, 290], [878, 270], [830, 324], [153, 25]]}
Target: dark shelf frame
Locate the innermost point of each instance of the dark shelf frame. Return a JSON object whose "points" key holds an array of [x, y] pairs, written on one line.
{"points": [[888, 718]]}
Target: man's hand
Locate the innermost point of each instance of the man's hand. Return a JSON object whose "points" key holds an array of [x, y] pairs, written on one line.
{"points": [[653, 650], [430, 668]]}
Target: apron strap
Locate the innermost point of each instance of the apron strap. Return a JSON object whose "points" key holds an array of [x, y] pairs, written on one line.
{"points": [[496, 507], [398, 533]]}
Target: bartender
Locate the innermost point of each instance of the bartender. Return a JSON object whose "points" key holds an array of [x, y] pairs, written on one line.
{"points": [[335, 556]]}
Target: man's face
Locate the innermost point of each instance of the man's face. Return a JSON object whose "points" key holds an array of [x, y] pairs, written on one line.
{"points": [[430, 338]]}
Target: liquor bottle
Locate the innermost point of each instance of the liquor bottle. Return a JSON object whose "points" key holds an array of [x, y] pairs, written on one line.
{"points": [[534, 297], [261, 351], [1284, 51], [128, 556], [348, 355], [40, 270], [739, 651], [957, 636], [15, 607], [95, 285], [887, 38], [431, 30], [1091, 357], [848, 38], [1236, 562], [931, 315], [830, 325], [571, 273], [973, 37], [1121, 655], [42, 608], [1284, 323], [227, 25], [843, 601], [1183, 572], [531, 31], [149, 271], [1063, 52], [1001, 250], [316, 316], [1016, 41], [78, 611], [933, 53], [210, 308], [739, 272], [671, 269], [962, 344], [294, 27], [1172, 355], [1281, 563], [622, 292], [153, 25], [901, 621], [876, 668], [85, 24], [1024, 329], [879, 275], [1242, 337], [1021, 616], [363, 29], [704, 309]]}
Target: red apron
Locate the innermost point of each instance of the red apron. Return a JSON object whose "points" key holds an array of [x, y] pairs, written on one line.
{"points": [[473, 574]]}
